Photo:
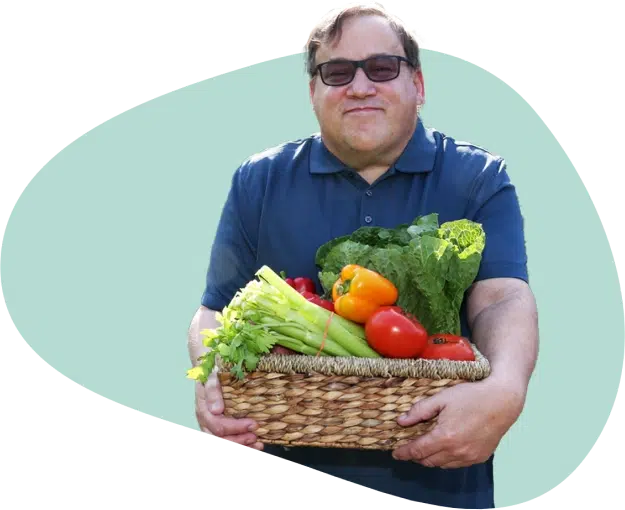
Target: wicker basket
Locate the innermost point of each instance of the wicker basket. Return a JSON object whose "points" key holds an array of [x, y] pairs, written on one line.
{"points": [[340, 402]]}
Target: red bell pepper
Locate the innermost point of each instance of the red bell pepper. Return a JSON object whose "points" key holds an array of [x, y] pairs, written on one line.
{"points": [[318, 300], [301, 283]]}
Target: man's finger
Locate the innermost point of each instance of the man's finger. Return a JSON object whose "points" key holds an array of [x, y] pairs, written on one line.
{"points": [[421, 448], [213, 395], [246, 439], [422, 410], [223, 426], [440, 459], [455, 464]]}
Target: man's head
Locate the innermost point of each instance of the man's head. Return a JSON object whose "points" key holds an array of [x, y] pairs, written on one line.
{"points": [[365, 115]]}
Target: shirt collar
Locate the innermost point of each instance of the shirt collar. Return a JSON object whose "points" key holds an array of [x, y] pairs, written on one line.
{"points": [[418, 156]]}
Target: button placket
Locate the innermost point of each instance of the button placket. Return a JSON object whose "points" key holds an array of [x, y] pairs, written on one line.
{"points": [[368, 218]]}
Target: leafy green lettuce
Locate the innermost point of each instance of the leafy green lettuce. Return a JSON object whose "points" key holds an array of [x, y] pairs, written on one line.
{"points": [[432, 266]]}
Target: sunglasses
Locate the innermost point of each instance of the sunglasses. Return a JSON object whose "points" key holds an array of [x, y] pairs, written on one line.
{"points": [[336, 73]]}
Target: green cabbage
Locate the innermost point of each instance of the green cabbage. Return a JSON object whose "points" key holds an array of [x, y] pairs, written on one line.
{"points": [[432, 266]]}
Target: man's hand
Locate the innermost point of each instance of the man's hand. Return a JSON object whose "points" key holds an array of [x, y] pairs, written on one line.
{"points": [[209, 403], [472, 419], [209, 408], [474, 416]]}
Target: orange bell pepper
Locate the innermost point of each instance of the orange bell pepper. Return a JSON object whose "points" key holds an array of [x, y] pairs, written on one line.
{"points": [[359, 292]]}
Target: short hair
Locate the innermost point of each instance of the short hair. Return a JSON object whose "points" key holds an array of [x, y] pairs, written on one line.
{"points": [[329, 29]]}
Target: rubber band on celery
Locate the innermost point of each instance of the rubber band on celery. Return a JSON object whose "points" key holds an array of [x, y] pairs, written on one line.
{"points": [[325, 334]]}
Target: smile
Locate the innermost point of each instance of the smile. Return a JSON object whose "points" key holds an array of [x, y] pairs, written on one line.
{"points": [[364, 110]]}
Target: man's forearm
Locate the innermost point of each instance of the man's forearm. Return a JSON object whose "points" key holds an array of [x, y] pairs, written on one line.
{"points": [[506, 332], [204, 318]]}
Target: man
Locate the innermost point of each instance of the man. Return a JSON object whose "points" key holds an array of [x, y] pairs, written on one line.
{"points": [[374, 163]]}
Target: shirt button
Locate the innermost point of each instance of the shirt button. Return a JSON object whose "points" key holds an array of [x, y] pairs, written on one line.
{"points": [[368, 219], [369, 193]]}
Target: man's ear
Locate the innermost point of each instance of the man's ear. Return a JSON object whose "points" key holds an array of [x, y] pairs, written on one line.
{"points": [[420, 85]]}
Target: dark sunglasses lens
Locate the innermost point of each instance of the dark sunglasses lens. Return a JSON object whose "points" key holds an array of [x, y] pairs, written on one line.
{"points": [[337, 73], [382, 68]]}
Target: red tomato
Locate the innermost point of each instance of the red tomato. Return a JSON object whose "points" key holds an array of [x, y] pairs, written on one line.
{"points": [[394, 333], [452, 347]]}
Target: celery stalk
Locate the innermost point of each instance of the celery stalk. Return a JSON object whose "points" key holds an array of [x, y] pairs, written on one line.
{"points": [[319, 316], [352, 327], [313, 340], [298, 346]]}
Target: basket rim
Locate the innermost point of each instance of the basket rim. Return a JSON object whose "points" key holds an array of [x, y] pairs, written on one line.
{"points": [[373, 367]]}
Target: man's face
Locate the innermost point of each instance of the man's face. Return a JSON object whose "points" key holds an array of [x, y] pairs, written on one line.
{"points": [[365, 115]]}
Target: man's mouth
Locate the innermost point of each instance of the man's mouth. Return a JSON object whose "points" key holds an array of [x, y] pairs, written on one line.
{"points": [[363, 109]]}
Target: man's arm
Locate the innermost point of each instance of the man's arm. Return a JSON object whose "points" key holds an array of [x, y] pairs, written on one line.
{"points": [[501, 310], [232, 264], [232, 260], [502, 316]]}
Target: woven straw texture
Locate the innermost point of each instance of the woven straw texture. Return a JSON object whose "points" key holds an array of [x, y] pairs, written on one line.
{"points": [[340, 402]]}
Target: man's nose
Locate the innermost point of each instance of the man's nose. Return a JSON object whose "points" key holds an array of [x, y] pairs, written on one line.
{"points": [[361, 84]]}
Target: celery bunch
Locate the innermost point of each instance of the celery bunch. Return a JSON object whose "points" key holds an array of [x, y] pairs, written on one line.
{"points": [[268, 312]]}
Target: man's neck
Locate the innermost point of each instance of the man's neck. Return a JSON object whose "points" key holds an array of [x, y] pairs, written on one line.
{"points": [[369, 165]]}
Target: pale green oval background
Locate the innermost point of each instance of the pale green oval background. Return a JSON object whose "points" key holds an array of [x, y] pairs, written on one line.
{"points": [[104, 256]]}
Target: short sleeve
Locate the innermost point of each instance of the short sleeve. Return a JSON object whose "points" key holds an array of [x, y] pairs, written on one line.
{"points": [[495, 205], [233, 254]]}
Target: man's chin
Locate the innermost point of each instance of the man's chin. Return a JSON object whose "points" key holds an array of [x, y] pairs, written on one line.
{"points": [[365, 144]]}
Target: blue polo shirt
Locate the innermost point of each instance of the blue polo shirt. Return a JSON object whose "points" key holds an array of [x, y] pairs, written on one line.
{"points": [[288, 200]]}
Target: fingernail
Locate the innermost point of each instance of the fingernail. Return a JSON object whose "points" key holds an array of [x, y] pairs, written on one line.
{"points": [[252, 427], [214, 407], [403, 417]]}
